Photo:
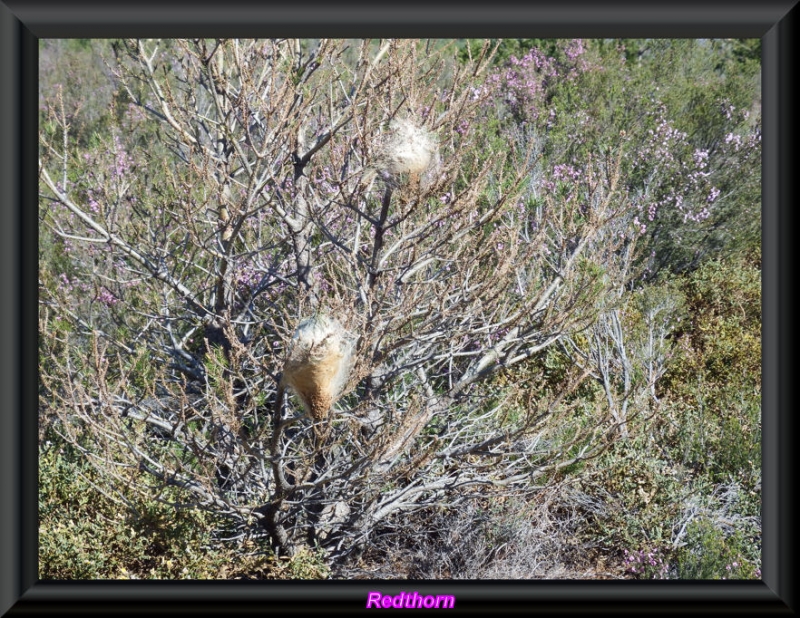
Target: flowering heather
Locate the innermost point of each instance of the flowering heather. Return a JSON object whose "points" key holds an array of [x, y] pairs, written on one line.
{"points": [[526, 83], [106, 297], [574, 49], [248, 277], [646, 564], [523, 83], [123, 162]]}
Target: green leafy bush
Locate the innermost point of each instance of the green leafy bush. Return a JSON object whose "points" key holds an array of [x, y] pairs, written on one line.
{"points": [[88, 530], [709, 553]]}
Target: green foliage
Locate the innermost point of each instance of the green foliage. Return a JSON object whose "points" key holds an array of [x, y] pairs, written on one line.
{"points": [[308, 564], [705, 441], [631, 96], [711, 89], [714, 384], [75, 68], [86, 533], [711, 554], [719, 435], [506, 48], [642, 492], [142, 369]]}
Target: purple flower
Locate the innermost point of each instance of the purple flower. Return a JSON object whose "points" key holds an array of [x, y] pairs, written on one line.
{"points": [[122, 160], [574, 49], [107, 298]]}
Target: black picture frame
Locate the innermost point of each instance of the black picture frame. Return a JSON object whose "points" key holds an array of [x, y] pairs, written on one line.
{"points": [[23, 22]]}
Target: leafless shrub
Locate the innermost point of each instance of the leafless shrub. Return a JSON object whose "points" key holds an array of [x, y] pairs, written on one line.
{"points": [[255, 205], [513, 538], [720, 509]]}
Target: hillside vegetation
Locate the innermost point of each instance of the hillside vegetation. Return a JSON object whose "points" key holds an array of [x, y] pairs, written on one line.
{"points": [[399, 308]]}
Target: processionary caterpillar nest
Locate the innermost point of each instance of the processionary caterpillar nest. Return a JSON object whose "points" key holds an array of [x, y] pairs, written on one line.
{"points": [[318, 364], [407, 149]]}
